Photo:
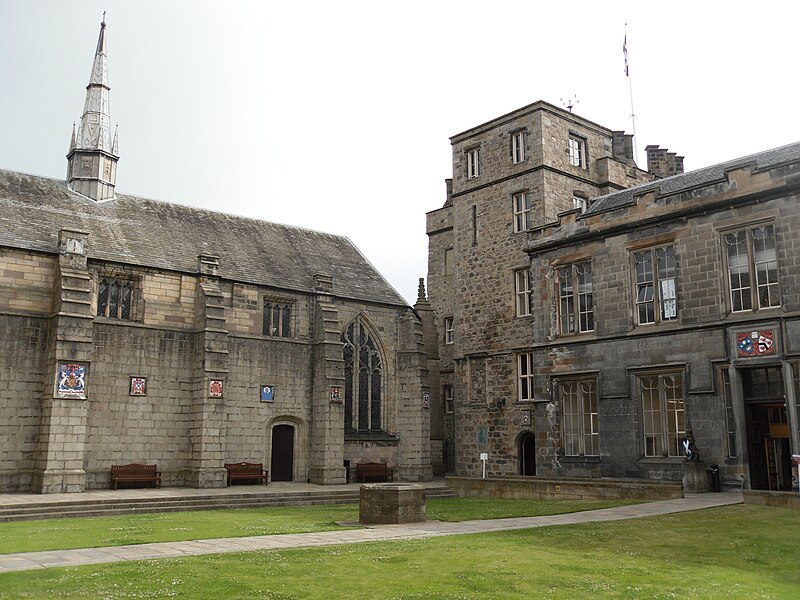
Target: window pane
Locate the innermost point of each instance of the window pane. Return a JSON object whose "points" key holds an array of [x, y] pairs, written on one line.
{"points": [[738, 271], [570, 421], [113, 300], [673, 395], [651, 416], [286, 325], [591, 437], [102, 298]]}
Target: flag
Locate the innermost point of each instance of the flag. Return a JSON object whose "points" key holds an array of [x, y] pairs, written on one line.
{"points": [[625, 54]]}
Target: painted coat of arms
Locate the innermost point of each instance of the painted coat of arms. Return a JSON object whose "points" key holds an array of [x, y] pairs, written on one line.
{"points": [[215, 388], [756, 343], [71, 380]]}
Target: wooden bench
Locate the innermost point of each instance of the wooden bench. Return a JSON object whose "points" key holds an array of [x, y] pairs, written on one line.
{"points": [[246, 470], [372, 471], [135, 472]]}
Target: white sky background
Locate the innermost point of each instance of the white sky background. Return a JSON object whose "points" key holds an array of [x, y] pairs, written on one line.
{"points": [[335, 115]]}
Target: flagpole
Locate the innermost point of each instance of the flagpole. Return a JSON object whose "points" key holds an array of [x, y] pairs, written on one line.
{"points": [[630, 89]]}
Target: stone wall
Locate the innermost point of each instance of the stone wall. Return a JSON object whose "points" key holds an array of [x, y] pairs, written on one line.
{"points": [[22, 345], [187, 329]]}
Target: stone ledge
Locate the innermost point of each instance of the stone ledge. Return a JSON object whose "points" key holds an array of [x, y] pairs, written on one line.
{"points": [[767, 498]]}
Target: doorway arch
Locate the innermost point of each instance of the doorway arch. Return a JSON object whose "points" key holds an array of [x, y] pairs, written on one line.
{"points": [[527, 454], [282, 462]]}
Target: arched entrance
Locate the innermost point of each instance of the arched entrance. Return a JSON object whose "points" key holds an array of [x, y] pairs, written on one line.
{"points": [[527, 454], [282, 463]]}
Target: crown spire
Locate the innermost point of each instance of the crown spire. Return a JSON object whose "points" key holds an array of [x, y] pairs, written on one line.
{"points": [[92, 159]]}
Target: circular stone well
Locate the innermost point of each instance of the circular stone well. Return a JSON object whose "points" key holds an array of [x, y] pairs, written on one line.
{"points": [[383, 503]]}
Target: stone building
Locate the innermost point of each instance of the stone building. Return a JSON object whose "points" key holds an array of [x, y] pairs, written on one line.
{"points": [[671, 312], [135, 330], [511, 174], [594, 328]]}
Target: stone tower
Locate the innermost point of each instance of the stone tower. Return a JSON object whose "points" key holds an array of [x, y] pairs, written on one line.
{"points": [[92, 158]]}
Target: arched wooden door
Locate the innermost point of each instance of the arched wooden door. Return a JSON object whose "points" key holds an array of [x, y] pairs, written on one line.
{"points": [[281, 465]]}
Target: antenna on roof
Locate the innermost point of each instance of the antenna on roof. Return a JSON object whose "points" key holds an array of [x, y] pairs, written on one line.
{"points": [[569, 103]]}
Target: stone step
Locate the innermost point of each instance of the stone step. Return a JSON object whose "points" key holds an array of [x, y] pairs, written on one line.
{"points": [[116, 506]]}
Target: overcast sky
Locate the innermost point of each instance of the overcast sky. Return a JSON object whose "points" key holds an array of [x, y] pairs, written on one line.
{"points": [[336, 115]]}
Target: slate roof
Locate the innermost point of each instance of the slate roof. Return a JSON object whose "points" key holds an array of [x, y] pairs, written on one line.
{"points": [[162, 235], [694, 179]]}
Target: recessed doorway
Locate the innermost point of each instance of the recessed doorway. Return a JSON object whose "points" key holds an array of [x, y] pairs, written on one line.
{"points": [[527, 454], [282, 463], [770, 458]]}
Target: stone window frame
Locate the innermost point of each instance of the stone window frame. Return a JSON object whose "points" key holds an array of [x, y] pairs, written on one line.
{"points": [[662, 300], [572, 301], [521, 208], [737, 300], [448, 266], [577, 153], [518, 142], [131, 281], [663, 426], [449, 399], [522, 292], [726, 387], [572, 392], [473, 160], [449, 330], [286, 322], [525, 377], [365, 373]]}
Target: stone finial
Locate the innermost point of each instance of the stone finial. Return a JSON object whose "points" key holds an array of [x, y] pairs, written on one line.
{"points": [[323, 283], [421, 295], [208, 264]]}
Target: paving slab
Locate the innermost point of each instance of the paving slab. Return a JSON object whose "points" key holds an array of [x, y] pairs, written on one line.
{"points": [[85, 556]]}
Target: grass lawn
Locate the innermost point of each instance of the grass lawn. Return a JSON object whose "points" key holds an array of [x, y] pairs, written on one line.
{"points": [[729, 552], [64, 534]]}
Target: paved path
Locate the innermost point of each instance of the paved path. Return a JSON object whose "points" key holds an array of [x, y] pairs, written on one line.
{"points": [[86, 556]]}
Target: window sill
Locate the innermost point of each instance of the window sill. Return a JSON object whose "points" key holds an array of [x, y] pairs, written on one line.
{"points": [[580, 459], [661, 460], [369, 436]]}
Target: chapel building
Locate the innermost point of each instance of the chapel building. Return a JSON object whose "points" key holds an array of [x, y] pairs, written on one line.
{"points": [[141, 331]]}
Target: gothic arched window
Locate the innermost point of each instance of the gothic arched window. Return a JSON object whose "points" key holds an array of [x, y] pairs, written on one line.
{"points": [[363, 374]]}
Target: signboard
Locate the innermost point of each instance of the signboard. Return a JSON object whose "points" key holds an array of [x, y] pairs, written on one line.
{"points": [[426, 400], [483, 435], [267, 393], [71, 381]]}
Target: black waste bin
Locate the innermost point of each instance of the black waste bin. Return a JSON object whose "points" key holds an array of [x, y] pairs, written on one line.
{"points": [[347, 471], [714, 471]]}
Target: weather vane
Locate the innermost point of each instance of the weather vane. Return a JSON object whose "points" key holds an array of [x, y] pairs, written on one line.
{"points": [[569, 103]]}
